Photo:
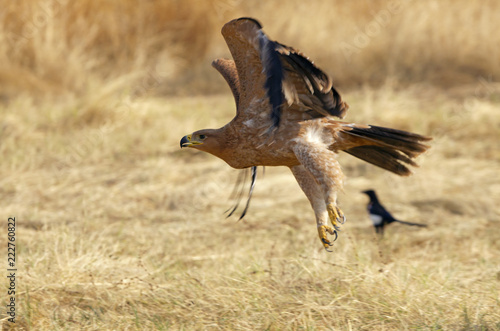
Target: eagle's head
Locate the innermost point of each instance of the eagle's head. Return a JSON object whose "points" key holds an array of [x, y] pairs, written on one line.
{"points": [[207, 140]]}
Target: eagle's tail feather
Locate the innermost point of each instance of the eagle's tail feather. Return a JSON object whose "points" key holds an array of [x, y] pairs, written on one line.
{"points": [[389, 149]]}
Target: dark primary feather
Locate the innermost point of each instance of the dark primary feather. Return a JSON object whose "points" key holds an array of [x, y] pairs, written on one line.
{"points": [[238, 192], [273, 70], [252, 185], [274, 76], [309, 80], [329, 101]]}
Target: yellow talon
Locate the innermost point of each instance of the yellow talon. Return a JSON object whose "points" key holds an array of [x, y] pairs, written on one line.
{"points": [[336, 215], [322, 230]]}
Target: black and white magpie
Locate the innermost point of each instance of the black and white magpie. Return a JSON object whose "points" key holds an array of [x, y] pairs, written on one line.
{"points": [[380, 216]]}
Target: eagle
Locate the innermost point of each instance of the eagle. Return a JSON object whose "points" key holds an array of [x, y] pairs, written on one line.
{"points": [[286, 110]]}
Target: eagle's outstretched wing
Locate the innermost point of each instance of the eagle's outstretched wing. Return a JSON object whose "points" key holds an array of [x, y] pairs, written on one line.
{"points": [[268, 70]]}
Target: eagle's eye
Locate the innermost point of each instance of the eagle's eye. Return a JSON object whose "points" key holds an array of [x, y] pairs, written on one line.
{"points": [[202, 136]]}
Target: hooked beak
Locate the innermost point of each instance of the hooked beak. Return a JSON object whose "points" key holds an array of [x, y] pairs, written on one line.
{"points": [[187, 141]]}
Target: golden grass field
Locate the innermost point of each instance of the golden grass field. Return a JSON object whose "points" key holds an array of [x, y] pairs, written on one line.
{"points": [[118, 229]]}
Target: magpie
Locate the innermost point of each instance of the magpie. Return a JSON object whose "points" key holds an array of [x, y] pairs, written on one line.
{"points": [[380, 216]]}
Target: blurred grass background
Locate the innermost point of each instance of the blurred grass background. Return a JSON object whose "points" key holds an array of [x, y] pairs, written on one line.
{"points": [[57, 46], [119, 229]]}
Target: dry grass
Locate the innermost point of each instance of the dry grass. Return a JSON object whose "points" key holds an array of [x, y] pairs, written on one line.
{"points": [[120, 230], [59, 47]]}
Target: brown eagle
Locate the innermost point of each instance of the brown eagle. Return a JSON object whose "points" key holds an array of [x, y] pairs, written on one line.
{"points": [[285, 109]]}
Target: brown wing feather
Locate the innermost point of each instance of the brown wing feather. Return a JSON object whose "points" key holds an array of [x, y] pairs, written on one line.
{"points": [[241, 36], [308, 87], [267, 69], [227, 69]]}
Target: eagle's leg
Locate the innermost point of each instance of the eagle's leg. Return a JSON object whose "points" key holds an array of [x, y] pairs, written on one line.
{"points": [[315, 196], [322, 165]]}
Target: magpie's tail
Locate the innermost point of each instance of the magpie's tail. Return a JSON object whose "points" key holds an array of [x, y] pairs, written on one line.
{"points": [[390, 149], [412, 224]]}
